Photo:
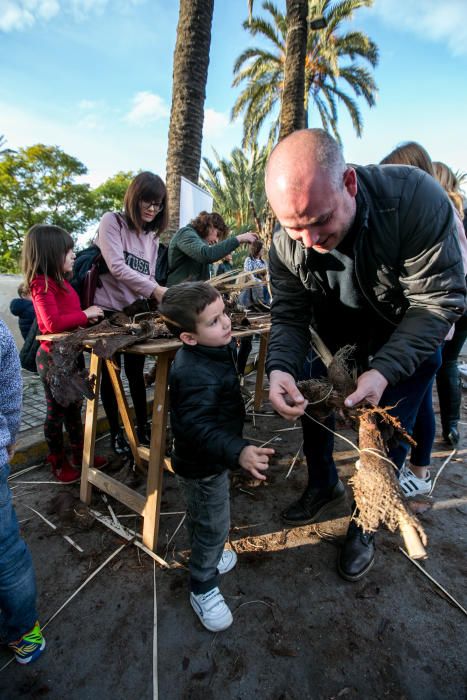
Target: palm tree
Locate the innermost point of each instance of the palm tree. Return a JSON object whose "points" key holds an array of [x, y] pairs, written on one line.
{"points": [[237, 186], [190, 72], [292, 115], [261, 71]]}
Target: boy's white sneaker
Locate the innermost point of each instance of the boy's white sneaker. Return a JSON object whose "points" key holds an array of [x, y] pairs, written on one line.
{"points": [[212, 610], [413, 485], [227, 561]]}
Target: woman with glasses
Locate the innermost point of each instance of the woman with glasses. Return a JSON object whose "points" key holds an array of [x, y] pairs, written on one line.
{"points": [[129, 243]]}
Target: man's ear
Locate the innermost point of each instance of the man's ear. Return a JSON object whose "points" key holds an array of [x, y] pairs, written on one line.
{"points": [[188, 338], [350, 181]]}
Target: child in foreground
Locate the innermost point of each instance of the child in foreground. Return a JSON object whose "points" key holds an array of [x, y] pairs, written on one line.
{"points": [[18, 616], [48, 258], [207, 415]]}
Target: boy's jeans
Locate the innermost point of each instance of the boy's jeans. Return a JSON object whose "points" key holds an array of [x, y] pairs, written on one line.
{"points": [[17, 581], [208, 524]]}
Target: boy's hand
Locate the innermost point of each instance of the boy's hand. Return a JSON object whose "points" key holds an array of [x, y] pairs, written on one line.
{"points": [[253, 458]]}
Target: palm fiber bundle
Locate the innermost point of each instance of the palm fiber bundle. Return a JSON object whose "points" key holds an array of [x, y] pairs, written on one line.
{"points": [[378, 496]]}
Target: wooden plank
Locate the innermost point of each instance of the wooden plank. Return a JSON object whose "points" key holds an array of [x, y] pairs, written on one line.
{"points": [[143, 452], [157, 452], [134, 500], [124, 411], [90, 425], [263, 346], [168, 465], [158, 345]]}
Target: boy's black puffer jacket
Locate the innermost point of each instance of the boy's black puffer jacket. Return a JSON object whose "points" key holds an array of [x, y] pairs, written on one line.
{"points": [[206, 411]]}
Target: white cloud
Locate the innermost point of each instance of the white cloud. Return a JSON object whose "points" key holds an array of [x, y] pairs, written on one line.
{"points": [[105, 151], [220, 133], [215, 124], [439, 21], [19, 15], [87, 105], [92, 114], [147, 107], [22, 14]]}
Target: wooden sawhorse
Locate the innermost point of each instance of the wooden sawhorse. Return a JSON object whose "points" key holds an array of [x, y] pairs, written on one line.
{"points": [[148, 506]]}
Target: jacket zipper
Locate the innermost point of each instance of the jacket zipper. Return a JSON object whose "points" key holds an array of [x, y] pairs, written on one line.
{"points": [[374, 307]]}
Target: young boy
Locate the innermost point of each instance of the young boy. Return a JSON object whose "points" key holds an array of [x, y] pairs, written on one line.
{"points": [[23, 307], [18, 616], [207, 415]]}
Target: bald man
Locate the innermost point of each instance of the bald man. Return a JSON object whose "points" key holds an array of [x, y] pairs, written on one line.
{"points": [[368, 256]]}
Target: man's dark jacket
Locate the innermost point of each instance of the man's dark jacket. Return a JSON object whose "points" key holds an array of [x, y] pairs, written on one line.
{"points": [[408, 267], [206, 411]]}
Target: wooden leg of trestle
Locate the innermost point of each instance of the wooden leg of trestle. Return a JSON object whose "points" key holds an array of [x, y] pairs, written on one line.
{"points": [[263, 346], [156, 453], [124, 411], [90, 424]]}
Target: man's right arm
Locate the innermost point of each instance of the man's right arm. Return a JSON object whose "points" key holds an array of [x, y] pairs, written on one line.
{"points": [[291, 313], [289, 340]]}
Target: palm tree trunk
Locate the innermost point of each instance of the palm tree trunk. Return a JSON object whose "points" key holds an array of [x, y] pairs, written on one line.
{"points": [[190, 72], [292, 108]]}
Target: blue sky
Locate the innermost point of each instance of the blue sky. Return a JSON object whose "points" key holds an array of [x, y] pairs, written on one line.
{"points": [[94, 77]]}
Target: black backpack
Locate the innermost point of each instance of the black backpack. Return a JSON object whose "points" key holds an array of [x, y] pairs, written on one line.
{"points": [[89, 265], [162, 265], [27, 354]]}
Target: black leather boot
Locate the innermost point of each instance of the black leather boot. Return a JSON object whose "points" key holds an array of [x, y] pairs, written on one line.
{"points": [[119, 443], [357, 554], [312, 504], [451, 436]]}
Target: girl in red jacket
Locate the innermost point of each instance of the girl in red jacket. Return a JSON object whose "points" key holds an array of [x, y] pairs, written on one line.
{"points": [[48, 259]]}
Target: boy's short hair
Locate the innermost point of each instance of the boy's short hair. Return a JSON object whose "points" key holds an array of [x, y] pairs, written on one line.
{"points": [[183, 303]]}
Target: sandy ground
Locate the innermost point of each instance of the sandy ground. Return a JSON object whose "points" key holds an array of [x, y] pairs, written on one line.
{"points": [[299, 630]]}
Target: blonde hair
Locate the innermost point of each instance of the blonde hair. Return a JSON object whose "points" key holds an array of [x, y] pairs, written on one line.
{"points": [[449, 182]]}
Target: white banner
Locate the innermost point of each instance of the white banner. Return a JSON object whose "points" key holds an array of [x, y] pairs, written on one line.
{"points": [[193, 200]]}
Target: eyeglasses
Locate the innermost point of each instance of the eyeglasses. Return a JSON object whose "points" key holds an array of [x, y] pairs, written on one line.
{"points": [[157, 206]]}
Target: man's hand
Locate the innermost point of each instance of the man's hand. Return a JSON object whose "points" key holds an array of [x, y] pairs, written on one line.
{"points": [[284, 395], [11, 449], [370, 387], [253, 458]]}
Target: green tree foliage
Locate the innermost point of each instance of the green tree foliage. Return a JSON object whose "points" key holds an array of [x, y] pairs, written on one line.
{"points": [[235, 181], [330, 65], [39, 184], [110, 195], [3, 150]]}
